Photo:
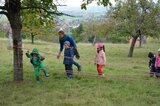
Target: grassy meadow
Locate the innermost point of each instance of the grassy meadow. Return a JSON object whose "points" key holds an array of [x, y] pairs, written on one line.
{"points": [[126, 81]]}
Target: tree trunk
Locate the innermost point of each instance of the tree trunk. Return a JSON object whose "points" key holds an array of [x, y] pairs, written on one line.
{"points": [[16, 25], [130, 54], [32, 37], [140, 40], [94, 41], [144, 39]]}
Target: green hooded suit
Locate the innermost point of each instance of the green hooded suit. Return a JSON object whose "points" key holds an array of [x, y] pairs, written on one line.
{"points": [[36, 60]]}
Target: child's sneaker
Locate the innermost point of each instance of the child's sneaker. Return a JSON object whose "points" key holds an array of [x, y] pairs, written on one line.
{"points": [[101, 75], [38, 79], [79, 68], [70, 76], [46, 75]]}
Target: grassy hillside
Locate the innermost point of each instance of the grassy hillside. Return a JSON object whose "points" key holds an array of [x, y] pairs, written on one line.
{"points": [[126, 81]]}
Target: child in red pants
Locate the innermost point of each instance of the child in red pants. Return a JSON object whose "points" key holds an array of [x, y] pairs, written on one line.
{"points": [[100, 60]]}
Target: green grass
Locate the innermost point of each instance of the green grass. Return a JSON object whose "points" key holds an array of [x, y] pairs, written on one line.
{"points": [[126, 82], [2, 34]]}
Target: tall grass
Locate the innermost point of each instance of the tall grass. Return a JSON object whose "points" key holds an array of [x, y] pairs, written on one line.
{"points": [[126, 82]]}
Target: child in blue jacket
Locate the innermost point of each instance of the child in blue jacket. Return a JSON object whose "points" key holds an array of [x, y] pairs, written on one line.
{"points": [[68, 59], [152, 64]]}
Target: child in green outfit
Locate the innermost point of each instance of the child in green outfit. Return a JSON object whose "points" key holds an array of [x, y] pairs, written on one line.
{"points": [[36, 60]]}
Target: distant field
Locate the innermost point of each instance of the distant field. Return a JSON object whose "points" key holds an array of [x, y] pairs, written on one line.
{"points": [[126, 81]]}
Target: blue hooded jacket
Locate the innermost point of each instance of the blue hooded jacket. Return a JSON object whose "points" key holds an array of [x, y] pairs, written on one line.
{"points": [[66, 38], [68, 56]]}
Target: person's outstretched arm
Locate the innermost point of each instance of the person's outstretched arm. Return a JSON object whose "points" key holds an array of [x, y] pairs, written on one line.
{"points": [[61, 49], [28, 55], [41, 57], [104, 57]]}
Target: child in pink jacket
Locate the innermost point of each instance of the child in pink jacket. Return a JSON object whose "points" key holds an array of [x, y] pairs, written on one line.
{"points": [[100, 60], [157, 64]]}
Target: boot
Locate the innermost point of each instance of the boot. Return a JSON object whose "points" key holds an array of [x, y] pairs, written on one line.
{"points": [[79, 68], [37, 78], [46, 75]]}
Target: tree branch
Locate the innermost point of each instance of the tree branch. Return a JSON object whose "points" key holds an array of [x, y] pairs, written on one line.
{"points": [[61, 5], [58, 4], [2, 7], [31, 7], [50, 12], [3, 12], [59, 13]]}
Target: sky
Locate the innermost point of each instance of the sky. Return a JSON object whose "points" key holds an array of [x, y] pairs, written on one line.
{"points": [[71, 3], [77, 3], [74, 5]]}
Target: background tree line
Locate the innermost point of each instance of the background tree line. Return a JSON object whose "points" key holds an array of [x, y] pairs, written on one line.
{"points": [[122, 22], [128, 19]]}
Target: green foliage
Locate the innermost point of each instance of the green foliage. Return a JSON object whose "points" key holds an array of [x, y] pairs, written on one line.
{"points": [[38, 19], [83, 6], [46, 7], [99, 2], [116, 39], [77, 33], [79, 30], [124, 84], [38, 12], [132, 15], [104, 31], [91, 39], [124, 20]]}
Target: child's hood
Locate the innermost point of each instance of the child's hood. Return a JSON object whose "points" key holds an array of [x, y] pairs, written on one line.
{"points": [[35, 51], [150, 55]]}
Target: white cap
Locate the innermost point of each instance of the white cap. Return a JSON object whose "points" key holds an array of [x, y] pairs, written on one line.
{"points": [[61, 30], [159, 50]]}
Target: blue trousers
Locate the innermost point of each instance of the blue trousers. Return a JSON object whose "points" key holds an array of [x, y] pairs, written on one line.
{"points": [[75, 52], [76, 64], [69, 70]]}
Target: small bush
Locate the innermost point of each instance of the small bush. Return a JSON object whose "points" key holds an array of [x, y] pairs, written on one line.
{"points": [[116, 39]]}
